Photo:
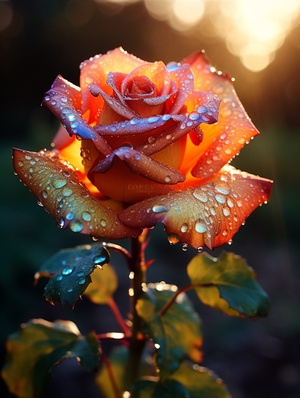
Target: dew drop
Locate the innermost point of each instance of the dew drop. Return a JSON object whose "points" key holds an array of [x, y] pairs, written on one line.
{"points": [[226, 211], [184, 228], [103, 223], [81, 281], [200, 249], [200, 227], [220, 198], [70, 290], [59, 278], [222, 187], [159, 209], [185, 247], [86, 216], [44, 194], [167, 179], [67, 192], [70, 216], [61, 223], [67, 270], [200, 195], [76, 226]]}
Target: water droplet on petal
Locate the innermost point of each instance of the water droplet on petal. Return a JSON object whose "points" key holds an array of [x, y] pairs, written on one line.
{"points": [[220, 198], [67, 192], [200, 227], [76, 226], [159, 209], [67, 270], [200, 195], [86, 216], [200, 249], [184, 228], [59, 183]]}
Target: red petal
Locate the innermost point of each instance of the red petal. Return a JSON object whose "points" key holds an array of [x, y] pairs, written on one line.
{"points": [[58, 189], [209, 214], [223, 140], [96, 69]]}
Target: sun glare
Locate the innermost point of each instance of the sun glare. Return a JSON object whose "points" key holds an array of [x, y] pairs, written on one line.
{"points": [[252, 29]]}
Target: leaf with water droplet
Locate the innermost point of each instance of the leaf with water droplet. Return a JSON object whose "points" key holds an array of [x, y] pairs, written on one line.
{"points": [[40, 345], [177, 332], [70, 270], [228, 284]]}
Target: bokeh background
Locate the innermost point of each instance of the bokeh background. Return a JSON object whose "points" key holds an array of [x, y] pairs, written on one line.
{"points": [[258, 43]]}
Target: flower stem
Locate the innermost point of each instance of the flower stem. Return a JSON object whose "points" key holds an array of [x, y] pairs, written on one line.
{"points": [[138, 269]]}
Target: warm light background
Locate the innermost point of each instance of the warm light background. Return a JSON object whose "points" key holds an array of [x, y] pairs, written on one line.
{"points": [[258, 43]]}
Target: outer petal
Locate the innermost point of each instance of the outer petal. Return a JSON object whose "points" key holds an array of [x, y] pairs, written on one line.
{"points": [[223, 140], [96, 69], [58, 189], [206, 215], [63, 100]]}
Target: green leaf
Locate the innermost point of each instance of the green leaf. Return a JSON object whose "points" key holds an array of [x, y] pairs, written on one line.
{"points": [[200, 382], [104, 284], [38, 347], [228, 284], [70, 271], [176, 333], [150, 388]]}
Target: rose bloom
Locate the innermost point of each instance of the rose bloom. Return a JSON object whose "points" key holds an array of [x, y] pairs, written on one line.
{"points": [[142, 143]]}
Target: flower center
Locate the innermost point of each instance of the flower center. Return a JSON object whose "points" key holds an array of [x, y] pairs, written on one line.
{"points": [[140, 86]]}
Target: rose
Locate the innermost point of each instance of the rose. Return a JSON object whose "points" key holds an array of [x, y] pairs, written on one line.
{"points": [[143, 143]]}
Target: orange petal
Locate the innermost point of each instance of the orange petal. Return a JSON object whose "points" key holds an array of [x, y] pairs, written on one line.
{"points": [[55, 184], [96, 69], [223, 140], [209, 214], [141, 165]]}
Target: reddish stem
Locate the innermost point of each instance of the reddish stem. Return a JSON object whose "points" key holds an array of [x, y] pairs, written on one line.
{"points": [[113, 306], [111, 375], [168, 304]]}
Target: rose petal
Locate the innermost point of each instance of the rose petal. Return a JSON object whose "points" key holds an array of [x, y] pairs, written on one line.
{"points": [[209, 214], [63, 100], [186, 123], [182, 75], [141, 165], [58, 189], [223, 140], [156, 72], [96, 69], [112, 103]]}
